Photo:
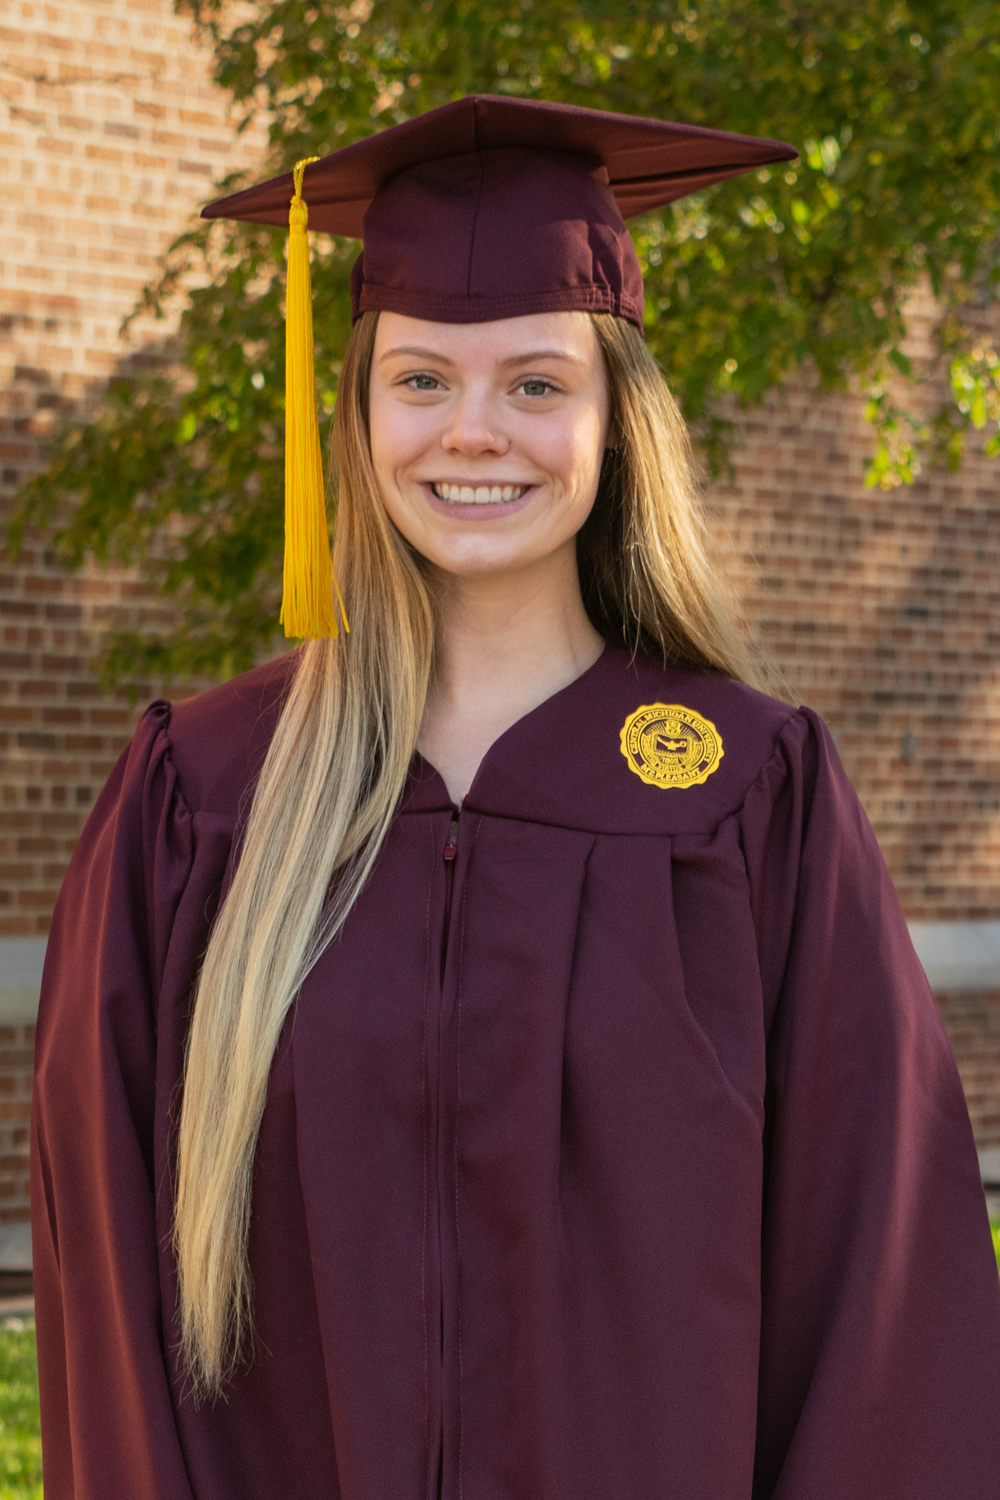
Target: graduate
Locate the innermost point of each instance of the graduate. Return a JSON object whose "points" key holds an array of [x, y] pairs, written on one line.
{"points": [[481, 1055]]}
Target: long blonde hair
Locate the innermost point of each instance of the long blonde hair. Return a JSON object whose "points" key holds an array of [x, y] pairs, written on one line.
{"points": [[336, 768]]}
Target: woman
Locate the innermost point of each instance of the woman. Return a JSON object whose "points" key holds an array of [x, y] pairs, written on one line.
{"points": [[482, 1055]]}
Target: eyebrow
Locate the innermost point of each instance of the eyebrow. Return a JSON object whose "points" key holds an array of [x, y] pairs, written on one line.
{"points": [[415, 352]]}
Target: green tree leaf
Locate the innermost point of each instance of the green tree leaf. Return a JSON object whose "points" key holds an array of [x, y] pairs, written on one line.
{"points": [[894, 109]]}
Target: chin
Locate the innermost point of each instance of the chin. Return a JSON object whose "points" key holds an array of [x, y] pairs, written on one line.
{"points": [[480, 566]]}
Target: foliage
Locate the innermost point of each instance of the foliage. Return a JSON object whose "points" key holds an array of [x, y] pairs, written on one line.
{"points": [[975, 382], [894, 108], [20, 1440]]}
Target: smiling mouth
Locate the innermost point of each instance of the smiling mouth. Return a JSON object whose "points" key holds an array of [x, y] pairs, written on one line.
{"points": [[480, 494]]}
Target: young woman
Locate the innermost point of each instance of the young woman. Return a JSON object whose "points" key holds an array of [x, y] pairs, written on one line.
{"points": [[481, 1055]]}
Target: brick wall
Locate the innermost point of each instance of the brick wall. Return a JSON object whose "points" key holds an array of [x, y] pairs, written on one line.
{"points": [[881, 607], [973, 1025], [16, 1050], [111, 133]]}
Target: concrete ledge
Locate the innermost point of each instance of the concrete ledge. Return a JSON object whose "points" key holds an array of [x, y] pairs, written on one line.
{"points": [[959, 955], [955, 956], [15, 1247], [21, 962], [989, 1166], [18, 1007]]}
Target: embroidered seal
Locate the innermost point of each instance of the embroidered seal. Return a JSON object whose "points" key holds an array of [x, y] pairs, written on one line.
{"points": [[670, 746]]}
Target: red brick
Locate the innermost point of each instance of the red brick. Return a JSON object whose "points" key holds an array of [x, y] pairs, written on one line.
{"points": [[880, 607]]}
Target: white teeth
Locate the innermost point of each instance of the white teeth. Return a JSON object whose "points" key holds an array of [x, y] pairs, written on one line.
{"points": [[464, 494]]}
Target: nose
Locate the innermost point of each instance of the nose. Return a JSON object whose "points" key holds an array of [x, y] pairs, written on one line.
{"points": [[473, 427]]}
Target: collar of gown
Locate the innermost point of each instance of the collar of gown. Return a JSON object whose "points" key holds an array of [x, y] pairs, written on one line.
{"points": [[562, 763]]}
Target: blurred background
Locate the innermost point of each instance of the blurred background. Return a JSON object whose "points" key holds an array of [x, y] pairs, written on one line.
{"points": [[829, 330]]}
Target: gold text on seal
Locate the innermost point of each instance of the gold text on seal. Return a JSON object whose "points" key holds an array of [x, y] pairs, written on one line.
{"points": [[668, 745]]}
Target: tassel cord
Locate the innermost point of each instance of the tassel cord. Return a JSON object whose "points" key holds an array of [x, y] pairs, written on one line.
{"points": [[308, 611]]}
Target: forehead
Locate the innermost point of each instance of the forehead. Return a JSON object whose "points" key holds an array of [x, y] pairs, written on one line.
{"points": [[568, 335]]}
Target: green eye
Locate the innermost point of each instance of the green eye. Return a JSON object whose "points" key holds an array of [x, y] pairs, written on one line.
{"points": [[422, 382], [536, 387]]}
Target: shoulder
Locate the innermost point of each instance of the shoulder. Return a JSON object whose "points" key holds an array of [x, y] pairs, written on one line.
{"points": [[741, 730], [219, 738], [637, 747], [754, 720]]}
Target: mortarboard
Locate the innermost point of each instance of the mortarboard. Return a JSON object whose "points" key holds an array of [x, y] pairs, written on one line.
{"points": [[488, 207]]}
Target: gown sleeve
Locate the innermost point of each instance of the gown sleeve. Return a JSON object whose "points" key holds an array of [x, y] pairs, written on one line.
{"points": [[108, 1424], [880, 1338]]}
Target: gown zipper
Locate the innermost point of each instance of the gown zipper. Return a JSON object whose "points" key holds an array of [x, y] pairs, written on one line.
{"points": [[450, 853]]}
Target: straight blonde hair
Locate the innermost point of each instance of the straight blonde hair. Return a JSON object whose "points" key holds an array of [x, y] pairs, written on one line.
{"points": [[337, 765]]}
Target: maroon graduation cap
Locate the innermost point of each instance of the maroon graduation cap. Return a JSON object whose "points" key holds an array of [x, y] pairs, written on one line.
{"points": [[491, 207], [486, 208]]}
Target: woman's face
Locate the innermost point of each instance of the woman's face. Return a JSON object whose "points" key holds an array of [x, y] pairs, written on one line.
{"points": [[487, 438]]}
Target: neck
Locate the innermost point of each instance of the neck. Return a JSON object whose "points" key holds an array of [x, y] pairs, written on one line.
{"points": [[505, 643]]}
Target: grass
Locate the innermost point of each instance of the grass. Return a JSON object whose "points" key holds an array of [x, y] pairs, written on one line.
{"points": [[20, 1442]]}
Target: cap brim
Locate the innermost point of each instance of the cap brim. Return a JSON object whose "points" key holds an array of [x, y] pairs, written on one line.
{"points": [[649, 162]]}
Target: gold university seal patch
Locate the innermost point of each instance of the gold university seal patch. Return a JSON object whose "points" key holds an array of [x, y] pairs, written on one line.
{"points": [[667, 745]]}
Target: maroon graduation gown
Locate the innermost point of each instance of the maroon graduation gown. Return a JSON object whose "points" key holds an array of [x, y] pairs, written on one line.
{"points": [[621, 1157]]}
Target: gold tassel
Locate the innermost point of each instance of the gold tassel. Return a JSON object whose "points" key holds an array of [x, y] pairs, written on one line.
{"points": [[307, 609]]}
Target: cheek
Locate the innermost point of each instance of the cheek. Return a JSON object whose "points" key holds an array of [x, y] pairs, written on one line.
{"points": [[399, 439], [384, 435], [576, 453], [399, 435]]}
